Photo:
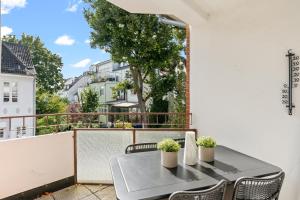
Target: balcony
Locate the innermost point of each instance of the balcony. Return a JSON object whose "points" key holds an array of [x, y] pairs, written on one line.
{"points": [[74, 164]]}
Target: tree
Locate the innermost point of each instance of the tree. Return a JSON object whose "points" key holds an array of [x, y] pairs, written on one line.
{"points": [[47, 64], [122, 86], [50, 103], [151, 49], [89, 100]]}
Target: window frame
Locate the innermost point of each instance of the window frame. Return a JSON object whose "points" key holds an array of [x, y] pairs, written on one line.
{"points": [[6, 91], [1, 133], [14, 89]]}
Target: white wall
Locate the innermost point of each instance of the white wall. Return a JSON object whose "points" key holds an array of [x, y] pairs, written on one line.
{"points": [[107, 91], [72, 93], [28, 163], [238, 67], [24, 106]]}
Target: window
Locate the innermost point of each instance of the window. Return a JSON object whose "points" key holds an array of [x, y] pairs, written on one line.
{"points": [[23, 130], [1, 133], [14, 92], [101, 91], [121, 95], [6, 91]]}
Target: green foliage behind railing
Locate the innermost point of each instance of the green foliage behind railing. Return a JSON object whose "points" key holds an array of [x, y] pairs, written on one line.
{"points": [[120, 124]]}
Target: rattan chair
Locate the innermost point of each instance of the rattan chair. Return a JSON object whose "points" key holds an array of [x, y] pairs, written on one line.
{"points": [[215, 193], [144, 147], [181, 141], [258, 188]]}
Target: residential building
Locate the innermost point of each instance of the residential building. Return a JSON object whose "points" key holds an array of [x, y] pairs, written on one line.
{"points": [[73, 86], [17, 91], [105, 76], [102, 77]]}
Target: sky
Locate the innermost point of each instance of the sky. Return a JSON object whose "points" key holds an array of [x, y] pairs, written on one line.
{"points": [[61, 26]]}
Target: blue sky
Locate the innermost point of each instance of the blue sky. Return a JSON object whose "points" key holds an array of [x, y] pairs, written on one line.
{"points": [[61, 26]]}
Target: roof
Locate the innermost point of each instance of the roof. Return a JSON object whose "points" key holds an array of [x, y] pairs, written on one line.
{"points": [[16, 59], [103, 62], [121, 68]]}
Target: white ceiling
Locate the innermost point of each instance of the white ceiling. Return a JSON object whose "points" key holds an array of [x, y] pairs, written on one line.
{"points": [[192, 12]]}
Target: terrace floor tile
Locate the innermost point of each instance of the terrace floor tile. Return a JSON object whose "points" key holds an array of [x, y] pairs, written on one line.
{"points": [[82, 192]]}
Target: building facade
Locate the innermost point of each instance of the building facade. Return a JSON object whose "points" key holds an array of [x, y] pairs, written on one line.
{"points": [[107, 75], [73, 86], [17, 91]]}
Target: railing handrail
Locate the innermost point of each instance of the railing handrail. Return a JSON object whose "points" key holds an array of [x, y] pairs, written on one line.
{"points": [[60, 122], [136, 129], [97, 113]]}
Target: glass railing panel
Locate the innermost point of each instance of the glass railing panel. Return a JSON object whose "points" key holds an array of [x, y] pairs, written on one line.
{"points": [[156, 136], [94, 150]]}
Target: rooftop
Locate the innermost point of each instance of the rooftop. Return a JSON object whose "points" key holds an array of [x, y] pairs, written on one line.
{"points": [[16, 59]]}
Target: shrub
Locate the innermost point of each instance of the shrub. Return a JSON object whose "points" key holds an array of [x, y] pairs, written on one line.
{"points": [[168, 145], [121, 124], [206, 141]]}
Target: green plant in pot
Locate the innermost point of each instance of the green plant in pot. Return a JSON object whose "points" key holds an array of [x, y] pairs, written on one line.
{"points": [[169, 152], [206, 146]]}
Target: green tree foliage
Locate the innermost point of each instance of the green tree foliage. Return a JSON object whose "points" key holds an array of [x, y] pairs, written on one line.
{"points": [[47, 64], [50, 103], [122, 86], [151, 49], [89, 100]]}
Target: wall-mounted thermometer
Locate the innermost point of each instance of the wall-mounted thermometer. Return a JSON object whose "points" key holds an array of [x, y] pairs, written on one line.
{"points": [[287, 92]]}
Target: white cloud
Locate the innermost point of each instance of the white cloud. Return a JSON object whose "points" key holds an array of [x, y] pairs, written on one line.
{"points": [[8, 5], [73, 7], [5, 30], [82, 63], [64, 40], [87, 41], [97, 62]]}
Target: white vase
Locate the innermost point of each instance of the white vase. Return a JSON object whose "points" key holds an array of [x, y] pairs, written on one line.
{"points": [[169, 159], [206, 154], [190, 149]]}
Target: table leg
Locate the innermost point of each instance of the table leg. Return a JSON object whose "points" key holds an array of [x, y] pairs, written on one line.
{"points": [[229, 191]]}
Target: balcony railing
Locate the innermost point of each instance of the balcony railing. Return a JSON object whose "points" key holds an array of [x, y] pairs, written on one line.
{"points": [[82, 155], [28, 125], [95, 147]]}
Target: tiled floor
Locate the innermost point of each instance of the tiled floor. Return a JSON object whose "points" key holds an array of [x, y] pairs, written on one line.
{"points": [[83, 192]]}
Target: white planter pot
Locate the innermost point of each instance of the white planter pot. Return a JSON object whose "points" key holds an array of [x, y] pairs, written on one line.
{"points": [[169, 159], [206, 154]]}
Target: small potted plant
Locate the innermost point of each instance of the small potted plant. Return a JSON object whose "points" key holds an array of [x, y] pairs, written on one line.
{"points": [[169, 152], [206, 146]]}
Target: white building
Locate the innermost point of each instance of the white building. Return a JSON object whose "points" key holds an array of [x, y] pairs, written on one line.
{"points": [[73, 87], [238, 68], [105, 76], [17, 91]]}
